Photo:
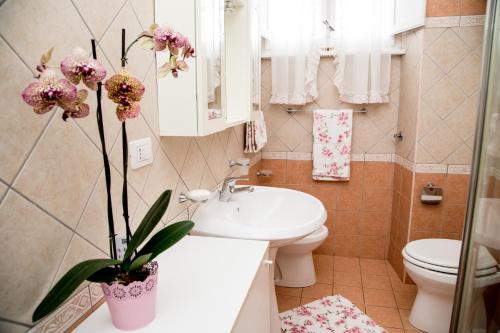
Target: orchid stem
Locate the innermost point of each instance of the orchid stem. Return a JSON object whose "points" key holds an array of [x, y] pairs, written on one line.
{"points": [[125, 154], [125, 52], [107, 171]]}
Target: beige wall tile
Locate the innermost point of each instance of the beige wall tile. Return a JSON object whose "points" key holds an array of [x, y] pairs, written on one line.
{"points": [[145, 12], [12, 328], [444, 97], [176, 148], [149, 102], [162, 177], [193, 167], [292, 134], [20, 127], [30, 43], [447, 50], [3, 189], [217, 161], [467, 73], [71, 165], [79, 250], [463, 120], [138, 59], [33, 245], [440, 142], [234, 149], [93, 224], [96, 18]]}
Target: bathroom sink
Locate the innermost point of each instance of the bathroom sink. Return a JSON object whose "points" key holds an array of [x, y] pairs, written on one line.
{"points": [[272, 214]]}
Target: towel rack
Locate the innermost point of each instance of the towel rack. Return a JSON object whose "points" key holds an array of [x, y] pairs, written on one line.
{"points": [[290, 110]]}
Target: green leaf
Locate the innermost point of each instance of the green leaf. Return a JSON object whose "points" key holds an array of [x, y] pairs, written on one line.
{"points": [[166, 237], [149, 222], [68, 283], [139, 261]]}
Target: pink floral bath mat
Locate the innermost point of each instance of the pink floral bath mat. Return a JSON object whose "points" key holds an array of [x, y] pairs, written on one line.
{"points": [[331, 314]]}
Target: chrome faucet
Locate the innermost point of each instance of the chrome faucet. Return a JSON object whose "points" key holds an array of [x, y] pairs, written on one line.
{"points": [[229, 187]]}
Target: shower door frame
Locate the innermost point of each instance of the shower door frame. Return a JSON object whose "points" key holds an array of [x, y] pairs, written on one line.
{"points": [[465, 259]]}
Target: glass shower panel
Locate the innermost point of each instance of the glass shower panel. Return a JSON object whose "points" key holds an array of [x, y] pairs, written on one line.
{"points": [[477, 300]]}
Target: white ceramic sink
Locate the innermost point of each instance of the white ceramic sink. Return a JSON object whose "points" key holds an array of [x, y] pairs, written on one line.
{"points": [[273, 214]]}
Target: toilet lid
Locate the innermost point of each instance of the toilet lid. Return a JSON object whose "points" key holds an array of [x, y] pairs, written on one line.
{"points": [[443, 255]]}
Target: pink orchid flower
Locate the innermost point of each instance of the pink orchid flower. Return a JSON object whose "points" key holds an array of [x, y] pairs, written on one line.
{"points": [[76, 108], [80, 67], [47, 92], [126, 91], [174, 66]]}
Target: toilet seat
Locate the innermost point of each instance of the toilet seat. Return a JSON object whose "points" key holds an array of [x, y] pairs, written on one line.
{"points": [[443, 256]]}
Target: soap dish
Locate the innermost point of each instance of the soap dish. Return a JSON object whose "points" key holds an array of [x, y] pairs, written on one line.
{"points": [[199, 195]]}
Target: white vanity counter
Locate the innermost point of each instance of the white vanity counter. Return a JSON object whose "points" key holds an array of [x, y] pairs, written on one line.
{"points": [[211, 285]]}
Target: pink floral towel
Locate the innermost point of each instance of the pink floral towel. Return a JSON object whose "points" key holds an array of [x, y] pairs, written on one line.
{"points": [[331, 314], [332, 131]]}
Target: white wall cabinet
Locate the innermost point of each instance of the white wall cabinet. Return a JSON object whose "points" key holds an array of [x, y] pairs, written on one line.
{"points": [[408, 14], [216, 92]]}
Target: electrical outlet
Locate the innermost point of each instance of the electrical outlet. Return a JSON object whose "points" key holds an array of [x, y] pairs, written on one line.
{"points": [[141, 153]]}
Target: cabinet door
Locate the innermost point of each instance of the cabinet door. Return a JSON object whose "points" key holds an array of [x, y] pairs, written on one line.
{"points": [[177, 98], [255, 313], [408, 14]]}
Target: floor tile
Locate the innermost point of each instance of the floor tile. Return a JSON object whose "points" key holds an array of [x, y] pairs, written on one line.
{"points": [[346, 264], [397, 285], [385, 317], [323, 265], [347, 279], [287, 302], [373, 267], [376, 282], [394, 330], [362, 307], [317, 291], [379, 297], [406, 322], [354, 294], [305, 300], [296, 292], [405, 300]]}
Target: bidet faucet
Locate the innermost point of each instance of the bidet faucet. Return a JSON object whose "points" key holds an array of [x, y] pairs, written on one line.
{"points": [[229, 187]]}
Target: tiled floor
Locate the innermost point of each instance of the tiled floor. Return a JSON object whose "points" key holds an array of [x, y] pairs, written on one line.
{"points": [[370, 284]]}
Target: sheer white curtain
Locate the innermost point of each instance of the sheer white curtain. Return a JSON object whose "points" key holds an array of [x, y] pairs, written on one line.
{"points": [[295, 31], [362, 32]]}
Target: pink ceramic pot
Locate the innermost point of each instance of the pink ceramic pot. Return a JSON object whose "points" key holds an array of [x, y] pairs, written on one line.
{"points": [[132, 306]]}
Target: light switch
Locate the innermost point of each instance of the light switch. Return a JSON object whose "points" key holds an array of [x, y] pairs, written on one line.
{"points": [[141, 153]]}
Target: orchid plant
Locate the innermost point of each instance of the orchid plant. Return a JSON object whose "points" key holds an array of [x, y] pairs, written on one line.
{"points": [[49, 91]]}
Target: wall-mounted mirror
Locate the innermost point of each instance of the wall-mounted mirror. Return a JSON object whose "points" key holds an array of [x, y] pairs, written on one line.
{"points": [[256, 60], [212, 39]]}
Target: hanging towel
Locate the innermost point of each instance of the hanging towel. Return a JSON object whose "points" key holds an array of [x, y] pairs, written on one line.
{"points": [[256, 133], [332, 131]]}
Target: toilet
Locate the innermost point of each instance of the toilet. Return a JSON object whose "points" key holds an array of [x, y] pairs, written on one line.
{"points": [[294, 262], [433, 265]]}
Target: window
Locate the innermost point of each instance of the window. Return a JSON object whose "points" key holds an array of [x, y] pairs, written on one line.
{"points": [[407, 15]]}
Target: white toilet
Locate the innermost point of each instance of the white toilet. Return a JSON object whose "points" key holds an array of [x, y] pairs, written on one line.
{"points": [[294, 262], [433, 265]]}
